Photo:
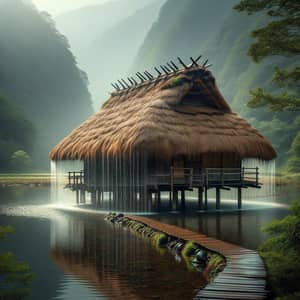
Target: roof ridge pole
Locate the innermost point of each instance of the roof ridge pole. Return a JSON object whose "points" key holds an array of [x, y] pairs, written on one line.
{"points": [[182, 62], [131, 82], [149, 77], [194, 63], [171, 67], [135, 82], [149, 73], [158, 72], [204, 65], [174, 65], [128, 86], [115, 87], [140, 77], [165, 70], [198, 58], [145, 79], [121, 83]]}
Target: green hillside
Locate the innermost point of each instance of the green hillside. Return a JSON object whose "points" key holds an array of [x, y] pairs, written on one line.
{"points": [[226, 47], [39, 73], [16, 132], [181, 27]]}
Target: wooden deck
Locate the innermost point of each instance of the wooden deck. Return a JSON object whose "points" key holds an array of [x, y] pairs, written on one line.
{"points": [[244, 276]]}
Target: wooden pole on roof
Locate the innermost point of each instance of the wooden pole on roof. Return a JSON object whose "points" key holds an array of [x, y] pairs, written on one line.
{"points": [[164, 69], [158, 72], [182, 63]]}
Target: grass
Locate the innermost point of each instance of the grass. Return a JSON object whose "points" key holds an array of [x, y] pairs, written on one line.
{"points": [[25, 178]]}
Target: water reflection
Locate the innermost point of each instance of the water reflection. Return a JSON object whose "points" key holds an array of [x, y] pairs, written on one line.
{"points": [[117, 264], [239, 227]]}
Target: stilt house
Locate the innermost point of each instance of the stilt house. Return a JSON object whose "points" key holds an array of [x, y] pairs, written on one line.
{"points": [[169, 133]]}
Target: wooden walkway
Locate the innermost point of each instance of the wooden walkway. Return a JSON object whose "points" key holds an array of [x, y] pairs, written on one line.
{"points": [[244, 276]]}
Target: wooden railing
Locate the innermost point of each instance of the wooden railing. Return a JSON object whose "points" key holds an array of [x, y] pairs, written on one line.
{"points": [[208, 177], [75, 178]]}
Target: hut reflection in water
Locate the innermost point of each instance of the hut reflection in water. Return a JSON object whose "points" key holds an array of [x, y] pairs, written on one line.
{"points": [[117, 264]]}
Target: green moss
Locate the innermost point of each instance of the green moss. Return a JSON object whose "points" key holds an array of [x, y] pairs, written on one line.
{"points": [[189, 249], [175, 81], [160, 239]]}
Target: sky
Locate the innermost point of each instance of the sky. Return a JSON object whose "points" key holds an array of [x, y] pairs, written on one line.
{"points": [[56, 7]]}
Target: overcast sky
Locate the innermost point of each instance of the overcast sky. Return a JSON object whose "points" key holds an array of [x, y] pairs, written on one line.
{"points": [[56, 7]]}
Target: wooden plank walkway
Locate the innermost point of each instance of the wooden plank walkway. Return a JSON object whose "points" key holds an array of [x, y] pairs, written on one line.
{"points": [[244, 276]]}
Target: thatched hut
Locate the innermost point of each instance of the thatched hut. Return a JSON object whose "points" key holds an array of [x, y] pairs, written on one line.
{"points": [[172, 133]]}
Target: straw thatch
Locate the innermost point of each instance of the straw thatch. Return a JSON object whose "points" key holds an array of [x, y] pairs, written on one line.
{"points": [[151, 117]]}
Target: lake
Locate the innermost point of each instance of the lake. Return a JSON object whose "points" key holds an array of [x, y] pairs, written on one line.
{"points": [[81, 256]]}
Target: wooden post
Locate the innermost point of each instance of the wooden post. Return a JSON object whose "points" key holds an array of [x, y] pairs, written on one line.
{"points": [[218, 198], [200, 198], [93, 197], [182, 199], [256, 176], [175, 200], [239, 197], [158, 200], [205, 199]]}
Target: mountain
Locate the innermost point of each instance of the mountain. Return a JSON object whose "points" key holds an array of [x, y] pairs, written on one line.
{"points": [[39, 73], [181, 27], [215, 30], [116, 49], [106, 37]]}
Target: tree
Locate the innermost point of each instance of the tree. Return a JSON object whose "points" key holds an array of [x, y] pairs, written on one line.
{"points": [[281, 252], [281, 36], [20, 161]]}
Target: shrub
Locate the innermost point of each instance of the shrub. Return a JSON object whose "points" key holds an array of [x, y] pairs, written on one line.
{"points": [[189, 249], [281, 253]]}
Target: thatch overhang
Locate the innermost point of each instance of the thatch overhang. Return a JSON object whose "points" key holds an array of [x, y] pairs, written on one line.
{"points": [[179, 114]]}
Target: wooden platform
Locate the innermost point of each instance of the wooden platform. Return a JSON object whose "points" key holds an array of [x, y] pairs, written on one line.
{"points": [[244, 276]]}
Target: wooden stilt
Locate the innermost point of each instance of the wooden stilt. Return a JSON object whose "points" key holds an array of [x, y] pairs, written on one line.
{"points": [[93, 197], [218, 198], [158, 200], [175, 200], [182, 199], [77, 196], [205, 199], [239, 198], [200, 198]]}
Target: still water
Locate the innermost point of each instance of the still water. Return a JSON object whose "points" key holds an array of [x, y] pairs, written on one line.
{"points": [[79, 256]]}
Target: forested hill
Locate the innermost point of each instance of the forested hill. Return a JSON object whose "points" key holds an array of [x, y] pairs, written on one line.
{"points": [[39, 73], [182, 27], [214, 29]]}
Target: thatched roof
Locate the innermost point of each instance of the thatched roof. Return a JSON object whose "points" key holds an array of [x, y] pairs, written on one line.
{"points": [[179, 114]]}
